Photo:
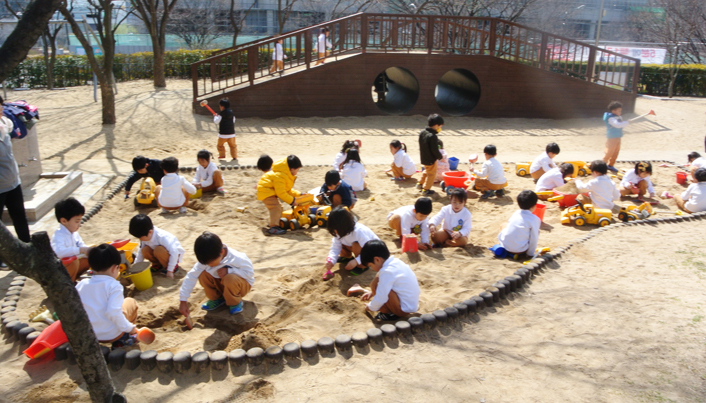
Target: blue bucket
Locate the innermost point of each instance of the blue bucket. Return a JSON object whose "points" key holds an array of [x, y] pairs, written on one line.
{"points": [[453, 163]]}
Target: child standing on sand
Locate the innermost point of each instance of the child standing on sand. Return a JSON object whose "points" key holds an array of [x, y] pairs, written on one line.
{"points": [[225, 119], [429, 153]]}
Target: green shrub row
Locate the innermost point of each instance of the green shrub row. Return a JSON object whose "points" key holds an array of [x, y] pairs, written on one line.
{"points": [[691, 80]]}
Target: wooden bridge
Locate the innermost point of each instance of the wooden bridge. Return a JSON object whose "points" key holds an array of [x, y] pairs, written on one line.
{"points": [[419, 64]]}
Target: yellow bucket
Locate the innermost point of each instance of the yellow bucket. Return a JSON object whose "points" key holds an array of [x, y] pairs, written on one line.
{"points": [[141, 276], [196, 195]]}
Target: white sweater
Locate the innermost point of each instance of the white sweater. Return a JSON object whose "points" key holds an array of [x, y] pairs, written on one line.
{"points": [[493, 170], [66, 243], [551, 179], [236, 262], [543, 162], [102, 298], [409, 223], [521, 233], [695, 197], [602, 191], [404, 161], [396, 276], [204, 176], [460, 221], [354, 174], [163, 238], [171, 194], [360, 234]]}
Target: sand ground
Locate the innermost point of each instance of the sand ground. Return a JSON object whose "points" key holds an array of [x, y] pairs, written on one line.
{"points": [[619, 319]]}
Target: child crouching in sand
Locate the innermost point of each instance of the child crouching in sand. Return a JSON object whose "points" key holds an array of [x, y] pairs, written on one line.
{"points": [[693, 200], [456, 221], [349, 237]]}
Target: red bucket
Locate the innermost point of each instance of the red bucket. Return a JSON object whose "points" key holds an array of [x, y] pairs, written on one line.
{"points": [[681, 177], [539, 211], [568, 200], [50, 338], [456, 179], [409, 243]]}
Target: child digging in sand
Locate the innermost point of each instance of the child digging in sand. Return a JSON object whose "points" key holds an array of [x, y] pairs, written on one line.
{"points": [[349, 237], [491, 179], [637, 181], [276, 185], [693, 200], [602, 191], [158, 246], [66, 242], [520, 235], [408, 219], [173, 193], [402, 165]]}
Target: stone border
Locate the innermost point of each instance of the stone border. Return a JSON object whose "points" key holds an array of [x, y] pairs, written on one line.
{"points": [[443, 320]]}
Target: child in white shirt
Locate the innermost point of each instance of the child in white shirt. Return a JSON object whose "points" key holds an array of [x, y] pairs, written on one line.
{"points": [[693, 200], [349, 237], [394, 290], [341, 156], [208, 177], [554, 178], [408, 219], [491, 179], [278, 57], [456, 219], [521, 233], [402, 165], [544, 162], [602, 190], [637, 181], [696, 161], [173, 193], [442, 165], [158, 246], [111, 315], [66, 242], [225, 274], [321, 45], [353, 172]]}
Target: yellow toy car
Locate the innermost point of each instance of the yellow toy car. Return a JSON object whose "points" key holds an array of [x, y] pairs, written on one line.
{"points": [[632, 213], [321, 216], [522, 168], [299, 216], [580, 168], [145, 196], [585, 214]]}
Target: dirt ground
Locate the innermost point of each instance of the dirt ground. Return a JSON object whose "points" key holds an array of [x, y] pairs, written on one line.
{"points": [[579, 333]]}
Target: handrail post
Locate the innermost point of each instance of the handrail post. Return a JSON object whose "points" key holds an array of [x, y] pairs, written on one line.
{"points": [[342, 33], [195, 80], [492, 39], [636, 77], [364, 32], [543, 52], [299, 48], [307, 49], [591, 63], [430, 34], [252, 63]]}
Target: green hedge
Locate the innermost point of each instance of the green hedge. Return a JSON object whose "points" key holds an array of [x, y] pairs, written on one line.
{"points": [[691, 80]]}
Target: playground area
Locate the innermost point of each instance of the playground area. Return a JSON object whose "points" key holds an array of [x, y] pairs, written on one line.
{"points": [[619, 318]]}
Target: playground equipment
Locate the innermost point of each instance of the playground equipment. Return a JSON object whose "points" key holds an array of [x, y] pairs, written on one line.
{"points": [[632, 213], [582, 214], [145, 196]]}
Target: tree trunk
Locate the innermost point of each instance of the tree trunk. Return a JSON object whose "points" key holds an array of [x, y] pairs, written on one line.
{"points": [[158, 64], [37, 261], [52, 62], [25, 35], [45, 53], [108, 103]]}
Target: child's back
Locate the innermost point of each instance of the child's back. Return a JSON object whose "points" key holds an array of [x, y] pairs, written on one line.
{"points": [[521, 235], [354, 174], [277, 182]]}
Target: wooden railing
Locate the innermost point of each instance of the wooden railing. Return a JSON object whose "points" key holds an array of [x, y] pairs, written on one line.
{"points": [[404, 33]]}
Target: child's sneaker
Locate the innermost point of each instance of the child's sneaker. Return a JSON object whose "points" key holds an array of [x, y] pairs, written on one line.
{"points": [[487, 194], [428, 192], [221, 191], [211, 305], [236, 309], [234, 161], [164, 211], [276, 231], [386, 317], [182, 210], [419, 186], [500, 193], [612, 168]]}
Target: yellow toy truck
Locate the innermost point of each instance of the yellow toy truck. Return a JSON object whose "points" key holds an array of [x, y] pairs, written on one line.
{"points": [[299, 216], [145, 196], [522, 168], [583, 214], [632, 213], [580, 168]]}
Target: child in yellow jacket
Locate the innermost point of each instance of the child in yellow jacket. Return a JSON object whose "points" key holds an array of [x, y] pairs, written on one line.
{"points": [[277, 184]]}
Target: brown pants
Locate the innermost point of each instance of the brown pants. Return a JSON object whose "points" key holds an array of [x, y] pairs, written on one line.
{"points": [[441, 237], [641, 189], [217, 182], [681, 203], [277, 65], [336, 201], [159, 256], [232, 287], [537, 174], [77, 268], [612, 148], [158, 190], [428, 176], [484, 184], [351, 251], [222, 149], [397, 172], [130, 313], [272, 204], [395, 222], [322, 58], [393, 301]]}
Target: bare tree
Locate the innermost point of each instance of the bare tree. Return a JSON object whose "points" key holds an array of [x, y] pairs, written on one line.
{"points": [[154, 14], [107, 23], [284, 11], [28, 30], [237, 18], [194, 23]]}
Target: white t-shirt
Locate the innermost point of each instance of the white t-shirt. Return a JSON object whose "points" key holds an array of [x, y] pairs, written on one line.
{"points": [[403, 160], [278, 54], [695, 197], [102, 298], [171, 194], [699, 162], [521, 233], [460, 221], [237, 262], [602, 191], [163, 238], [204, 176], [66, 243], [551, 179], [396, 276], [543, 162], [338, 160], [322, 44], [354, 173], [360, 234], [409, 223], [493, 170], [632, 177]]}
